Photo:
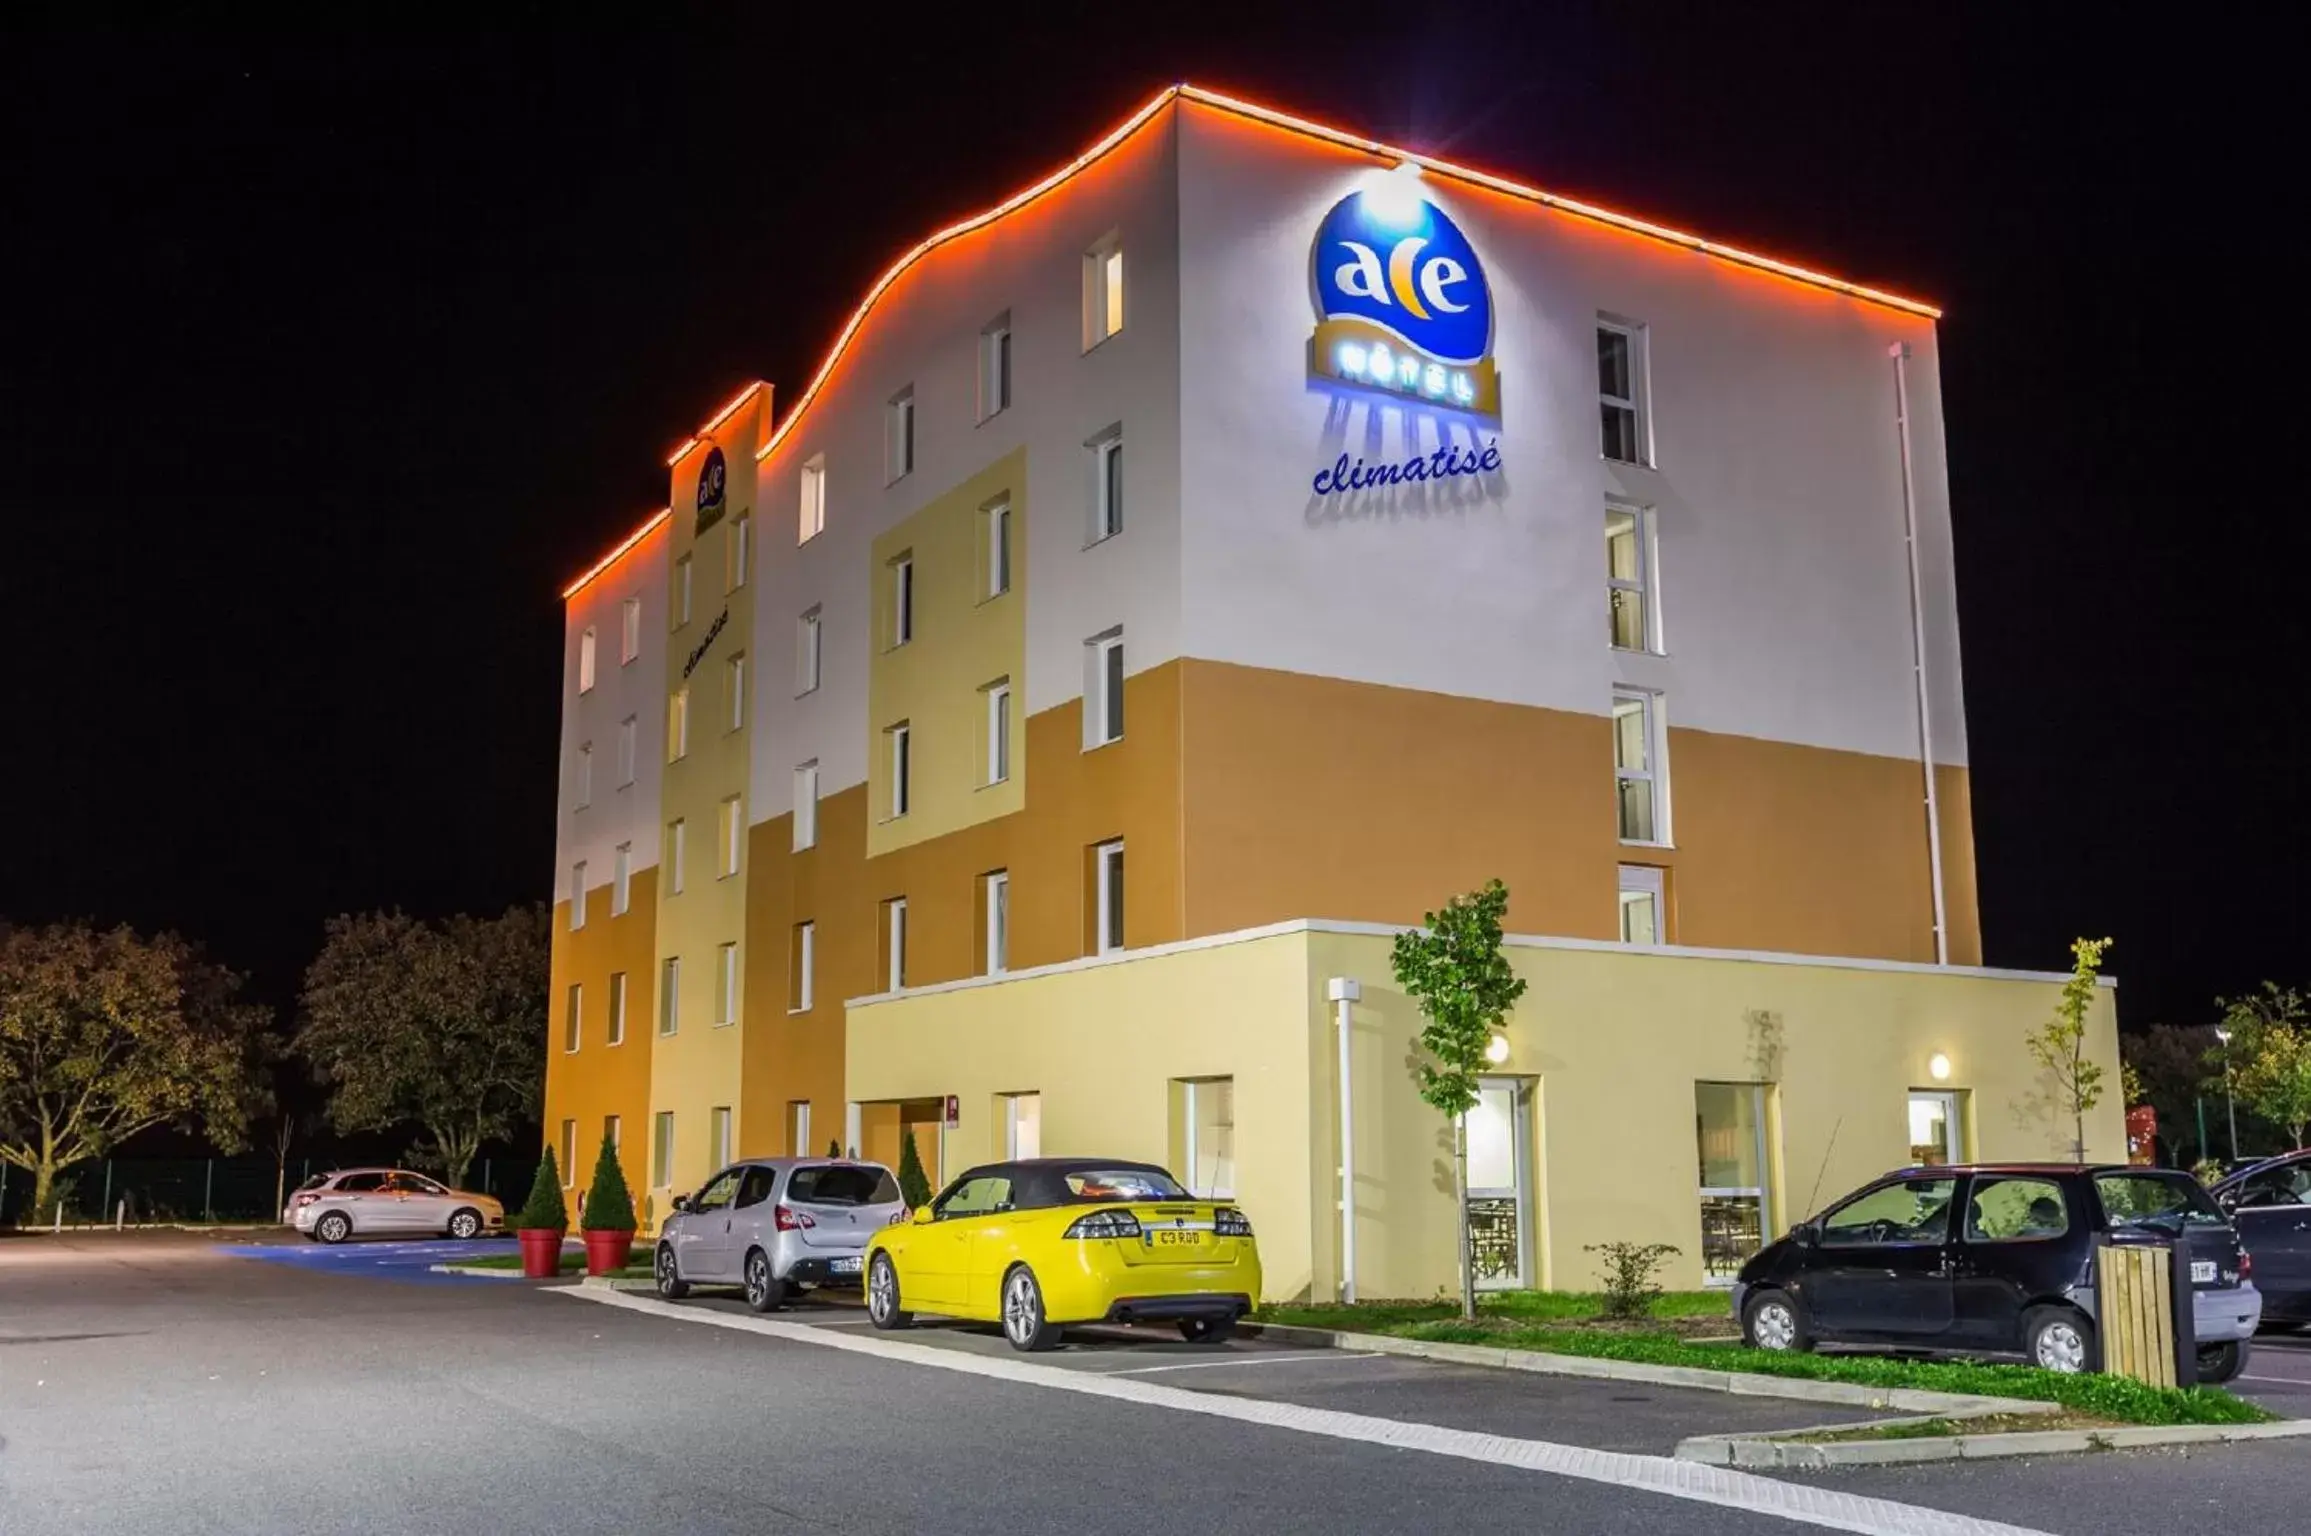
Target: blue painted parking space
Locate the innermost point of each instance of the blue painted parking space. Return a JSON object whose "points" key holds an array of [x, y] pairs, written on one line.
{"points": [[409, 1263]]}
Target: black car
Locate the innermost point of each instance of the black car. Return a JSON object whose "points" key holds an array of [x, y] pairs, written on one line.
{"points": [[2270, 1203], [1997, 1258]]}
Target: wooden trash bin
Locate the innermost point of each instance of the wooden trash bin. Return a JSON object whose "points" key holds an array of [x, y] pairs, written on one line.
{"points": [[2143, 1297]]}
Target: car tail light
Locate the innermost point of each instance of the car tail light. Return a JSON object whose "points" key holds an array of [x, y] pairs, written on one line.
{"points": [[1104, 1224], [791, 1220], [2246, 1263], [304, 1199], [1228, 1222]]}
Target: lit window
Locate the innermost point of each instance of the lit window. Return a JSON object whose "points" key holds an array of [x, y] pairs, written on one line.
{"points": [[998, 732], [1629, 578], [1103, 690], [901, 765], [572, 1013], [569, 1152], [894, 944], [630, 631], [1621, 391], [739, 548], [734, 691], [1641, 904], [678, 725], [814, 500], [1729, 1125], [720, 1121], [732, 828], [902, 600], [670, 995], [806, 653], [577, 895], [1022, 1125], [995, 892], [1107, 897], [1208, 1122], [899, 435], [1639, 771], [586, 661], [681, 592], [1102, 292], [995, 366], [621, 880], [806, 806], [662, 1150], [1106, 485], [584, 773], [617, 1007], [675, 860], [726, 984], [629, 732], [802, 959], [998, 548]]}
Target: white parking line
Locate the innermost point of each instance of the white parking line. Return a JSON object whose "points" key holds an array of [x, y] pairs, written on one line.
{"points": [[2278, 1381], [1803, 1503], [1205, 1365]]}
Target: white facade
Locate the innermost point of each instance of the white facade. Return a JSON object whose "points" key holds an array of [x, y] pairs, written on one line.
{"points": [[614, 813]]}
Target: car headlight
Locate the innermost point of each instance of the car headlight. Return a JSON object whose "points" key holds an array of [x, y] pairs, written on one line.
{"points": [[1104, 1224]]}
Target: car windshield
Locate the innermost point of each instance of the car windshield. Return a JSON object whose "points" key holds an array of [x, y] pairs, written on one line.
{"points": [[843, 1184], [1095, 1184], [2147, 1199]]}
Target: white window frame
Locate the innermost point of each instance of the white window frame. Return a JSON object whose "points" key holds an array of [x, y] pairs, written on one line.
{"points": [[998, 549], [998, 733], [1106, 291], [586, 659], [1636, 402], [676, 863], [812, 518], [902, 768], [682, 570], [995, 356], [726, 984], [678, 724], [629, 748], [899, 436], [808, 655], [1107, 499], [805, 965], [583, 770], [902, 600], [718, 1128], [1108, 915], [739, 543], [670, 994], [798, 1125], [734, 684], [1644, 880], [805, 817], [569, 1154], [732, 826], [629, 631], [1099, 707], [1011, 1104], [998, 889], [573, 1018], [577, 895], [617, 1027], [662, 1149], [621, 879], [1644, 586], [895, 961], [1655, 771], [1192, 1086]]}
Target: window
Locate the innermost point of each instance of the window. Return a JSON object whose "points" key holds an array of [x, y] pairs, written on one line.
{"points": [[998, 548], [613, 1132], [899, 435], [1621, 391], [732, 839], [1102, 292], [718, 1192], [995, 366], [2015, 1210], [902, 600], [572, 1017], [734, 691], [629, 630], [980, 1196], [995, 892], [998, 731], [676, 862], [901, 766], [1629, 578], [670, 995], [678, 725], [1640, 774], [621, 879], [569, 1154], [629, 733], [1934, 1128], [802, 960], [662, 1150], [1106, 485], [806, 806], [1904, 1211], [726, 984], [754, 1186], [806, 653], [718, 1122], [1641, 904], [586, 661], [1103, 689], [2156, 1198], [895, 944], [617, 1007], [1729, 1132], [739, 548], [1022, 1126], [577, 895], [1208, 1121], [798, 1128], [681, 592], [1107, 897], [814, 499], [584, 772]]}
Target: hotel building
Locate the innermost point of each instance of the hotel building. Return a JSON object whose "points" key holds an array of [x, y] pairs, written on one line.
{"points": [[1180, 577]]}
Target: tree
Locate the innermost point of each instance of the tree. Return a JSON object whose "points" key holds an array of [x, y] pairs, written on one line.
{"points": [[437, 1025], [1454, 969], [2169, 1062], [2059, 1045], [609, 1203], [914, 1184], [2270, 1056], [105, 1034], [544, 1210]]}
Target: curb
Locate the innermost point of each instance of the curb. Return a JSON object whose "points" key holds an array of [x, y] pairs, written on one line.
{"points": [[1736, 1383], [474, 1271], [616, 1283], [1779, 1451]]}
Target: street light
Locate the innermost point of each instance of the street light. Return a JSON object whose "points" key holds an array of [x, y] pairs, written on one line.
{"points": [[2230, 1101]]}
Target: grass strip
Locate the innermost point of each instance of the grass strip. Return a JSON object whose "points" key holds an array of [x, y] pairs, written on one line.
{"points": [[573, 1263], [1520, 1306]]}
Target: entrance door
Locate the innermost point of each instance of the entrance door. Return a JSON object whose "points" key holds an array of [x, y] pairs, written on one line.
{"points": [[1500, 1183], [1933, 1128]]}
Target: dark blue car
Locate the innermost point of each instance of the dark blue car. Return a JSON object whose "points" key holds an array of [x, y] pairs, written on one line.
{"points": [[2270, 1203]]}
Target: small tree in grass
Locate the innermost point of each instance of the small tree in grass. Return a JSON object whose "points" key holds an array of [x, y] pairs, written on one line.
{"points": [[2059, 1045], [609, 1204], [1454, 969], [2269, 1055], [1628, 1273], [544, 1210], [914, 1184]]}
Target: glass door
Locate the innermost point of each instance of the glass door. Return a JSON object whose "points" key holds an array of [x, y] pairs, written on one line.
{"points": [[1729, 1129], [1499, 1179], [1933, 1128]]}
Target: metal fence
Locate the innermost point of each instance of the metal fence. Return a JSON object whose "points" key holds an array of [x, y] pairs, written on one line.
{"points": [[171, 1189]]}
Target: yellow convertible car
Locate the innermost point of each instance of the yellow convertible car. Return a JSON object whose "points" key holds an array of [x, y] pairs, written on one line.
{"points": [[1044, 1242]]}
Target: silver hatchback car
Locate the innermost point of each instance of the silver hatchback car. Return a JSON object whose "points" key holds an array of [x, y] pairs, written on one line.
{"points": [[375, 1202], [776, 1227]]}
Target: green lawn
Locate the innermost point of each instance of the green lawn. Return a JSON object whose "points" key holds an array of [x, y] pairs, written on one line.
{"points": [[1518, 1306], [573, 1263]]}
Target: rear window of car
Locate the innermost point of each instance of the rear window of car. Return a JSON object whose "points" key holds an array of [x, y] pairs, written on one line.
{"points": [[2148, 1199], [843, 1184], [315, 1182], [1097, 1184]]}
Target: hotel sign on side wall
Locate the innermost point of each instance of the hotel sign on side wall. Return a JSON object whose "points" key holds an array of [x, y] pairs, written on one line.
{"points": [[713, 487]]}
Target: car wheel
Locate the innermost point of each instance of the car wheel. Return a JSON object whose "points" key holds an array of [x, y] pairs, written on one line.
{"points": [[1023, 1321], [2218, 1363], [1207, 1330], [1775, 1320], [670, 1283], [764, 1291], [883, 1295], [335, 1227], [2059, 1339], [465, 1226]]}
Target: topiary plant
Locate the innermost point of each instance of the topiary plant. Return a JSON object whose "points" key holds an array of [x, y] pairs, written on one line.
{"points": [[544, 1210], [914, 1184], [609, 1204], [834, 1147]]}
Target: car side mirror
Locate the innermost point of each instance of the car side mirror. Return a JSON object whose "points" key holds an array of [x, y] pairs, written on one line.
{"points": [[923, 1217], [1805, 1234], [682, 1202]]}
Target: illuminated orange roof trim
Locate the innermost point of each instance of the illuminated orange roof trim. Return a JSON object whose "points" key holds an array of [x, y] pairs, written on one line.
{"points": [[729, 410], [1285, 120], [618, 554]]}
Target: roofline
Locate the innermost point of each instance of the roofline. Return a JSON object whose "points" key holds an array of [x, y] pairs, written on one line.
{"points": [[625, 547], [1307, 128]]}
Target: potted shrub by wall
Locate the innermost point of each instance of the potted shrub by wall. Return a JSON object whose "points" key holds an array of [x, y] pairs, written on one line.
{"points": [[607, 1217], [542, 1222]]}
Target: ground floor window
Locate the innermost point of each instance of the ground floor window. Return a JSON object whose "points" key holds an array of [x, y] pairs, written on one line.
{"points": [[798, 1118], [1022, 1125], [721, 1131], [662, 1150], [1498, 1178], [1208, 1135], [1934, 1128], [569, 1153], [1729, 1130]]}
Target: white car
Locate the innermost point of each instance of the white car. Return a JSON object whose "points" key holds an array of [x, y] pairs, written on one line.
{"points": [[379, 1202]]}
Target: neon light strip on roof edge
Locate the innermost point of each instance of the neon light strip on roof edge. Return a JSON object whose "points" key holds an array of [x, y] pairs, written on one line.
{"points": [[720, 417], [614, 556], [1572, 207]]}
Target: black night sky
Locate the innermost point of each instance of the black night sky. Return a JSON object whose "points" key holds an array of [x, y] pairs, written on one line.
{"points": [[324, 363]]}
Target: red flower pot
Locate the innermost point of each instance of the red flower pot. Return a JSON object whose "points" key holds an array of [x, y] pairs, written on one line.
{"points": [[541, 1252], [607, 1252]]}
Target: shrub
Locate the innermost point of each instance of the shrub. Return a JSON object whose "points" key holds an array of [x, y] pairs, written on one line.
{"points": [[544, 1209], [609, 1204], [914, 1184], [1628, 1274], [834, 1147]]}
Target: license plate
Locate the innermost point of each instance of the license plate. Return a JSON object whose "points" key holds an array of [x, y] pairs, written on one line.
{"points": [[2202, 1271], [1165, 1238], [844, 1266]]}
